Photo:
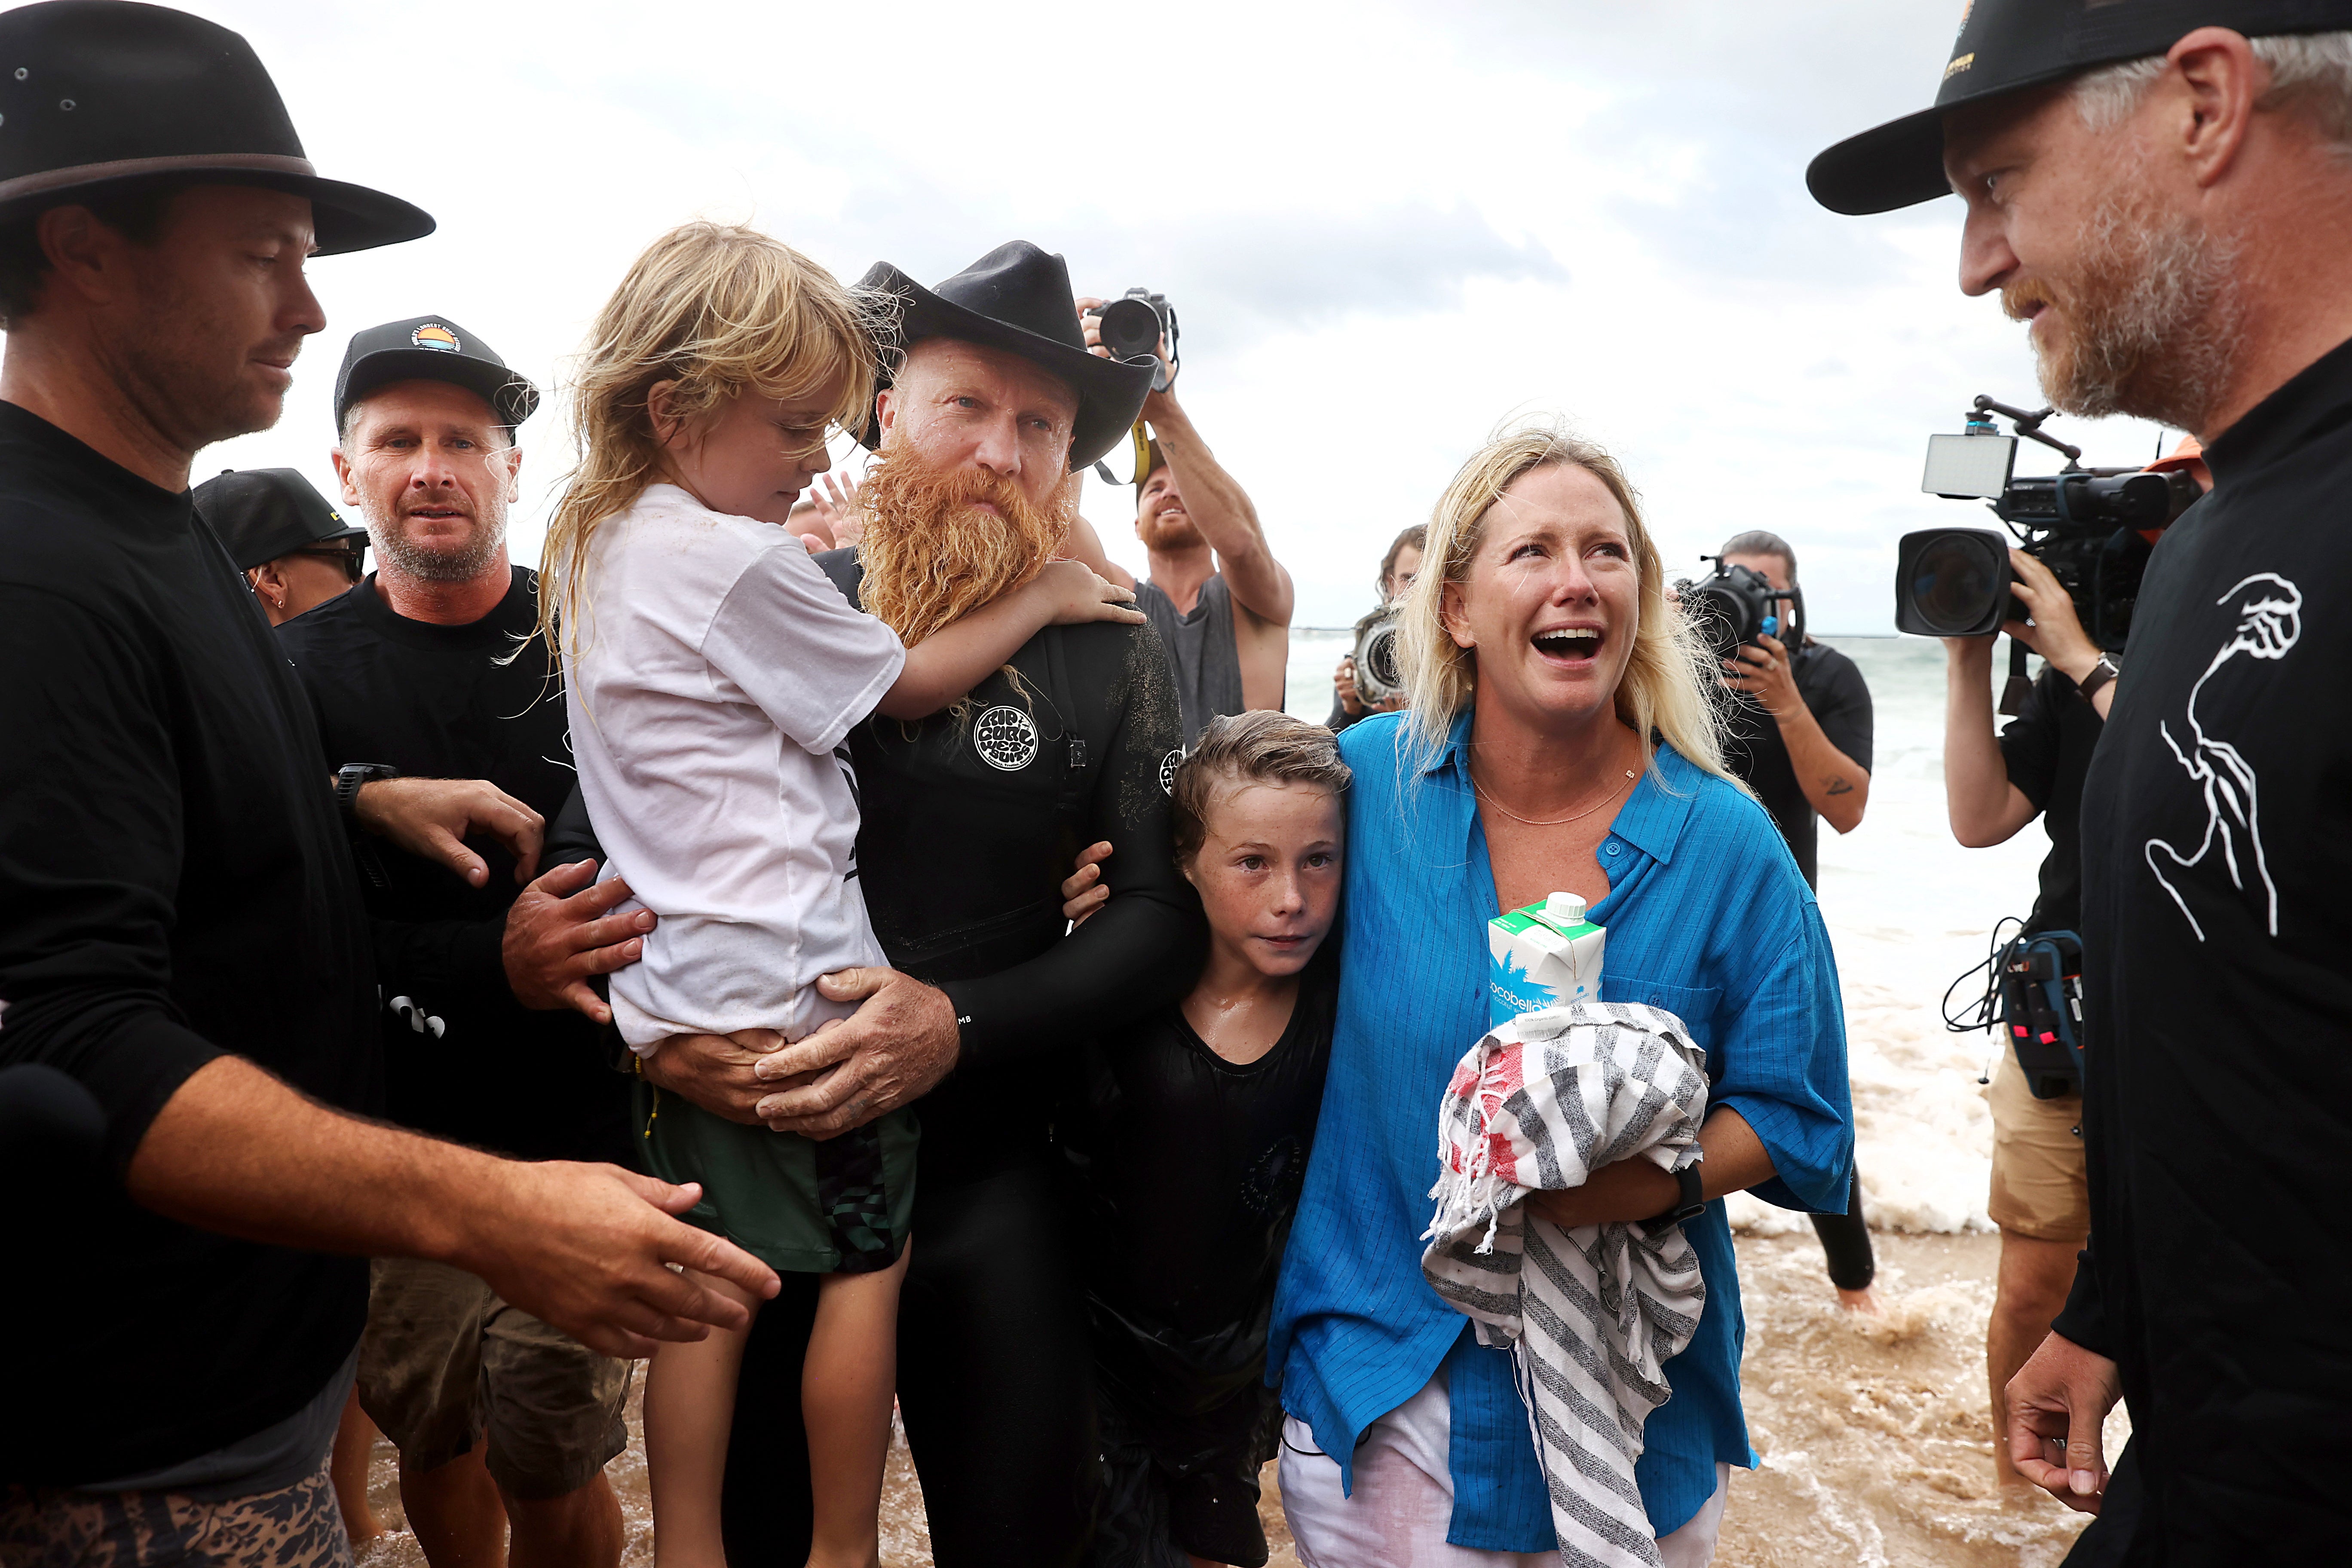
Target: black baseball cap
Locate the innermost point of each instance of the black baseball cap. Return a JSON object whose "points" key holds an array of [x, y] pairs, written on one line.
{"points": [[2006, 45], [260, 514], [431, 348]]}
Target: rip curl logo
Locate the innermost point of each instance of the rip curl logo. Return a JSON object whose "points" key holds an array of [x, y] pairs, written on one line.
{"points": [[433, 335], [1168, 771], [1959, 65], [1005, 738], [2270, 623]]}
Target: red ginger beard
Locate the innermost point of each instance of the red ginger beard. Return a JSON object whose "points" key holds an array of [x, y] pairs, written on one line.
{"points": [[931, 555]]}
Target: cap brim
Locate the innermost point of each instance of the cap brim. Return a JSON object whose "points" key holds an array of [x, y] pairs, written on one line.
{"points": [[510, 395], [345, 217], [1110, 391], [1897, 164]]}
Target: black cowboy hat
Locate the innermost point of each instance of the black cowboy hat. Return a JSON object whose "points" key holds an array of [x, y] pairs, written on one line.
{"points": [[100, 93], [1018, 297], [431, 348], [2007, 45], [260, 514]]}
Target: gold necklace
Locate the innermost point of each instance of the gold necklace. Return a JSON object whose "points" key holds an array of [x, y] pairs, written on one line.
{"points": [[1557, 821]]}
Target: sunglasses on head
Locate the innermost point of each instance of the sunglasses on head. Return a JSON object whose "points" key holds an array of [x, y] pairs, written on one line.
{"points": [[346, 556]]}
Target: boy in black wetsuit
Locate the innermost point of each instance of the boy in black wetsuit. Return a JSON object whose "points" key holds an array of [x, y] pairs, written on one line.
{"points": [[1190, 1132]]}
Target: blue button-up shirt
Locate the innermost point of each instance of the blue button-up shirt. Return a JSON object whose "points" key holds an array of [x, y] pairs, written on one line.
{"points": [[1707, 918]]}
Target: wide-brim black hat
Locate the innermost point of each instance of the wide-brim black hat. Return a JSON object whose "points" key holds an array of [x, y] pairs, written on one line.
{"points": [[431, 348], [260, 514], [2005, 46], [104, 93], [1017, 298]]}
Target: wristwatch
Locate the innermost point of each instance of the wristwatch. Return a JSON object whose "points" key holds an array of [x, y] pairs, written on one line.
{"points": [[1691, 1203], [348, 779], [2101, 673]]}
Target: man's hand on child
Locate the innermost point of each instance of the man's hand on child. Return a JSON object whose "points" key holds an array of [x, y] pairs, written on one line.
{"points": [[1082, 891], [1078, 593], [562, 930], [431, 818], [894, 1049], [1625, 1191]]}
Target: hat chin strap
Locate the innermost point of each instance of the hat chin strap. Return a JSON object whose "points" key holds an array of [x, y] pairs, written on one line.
{"points": [[125, 168]]}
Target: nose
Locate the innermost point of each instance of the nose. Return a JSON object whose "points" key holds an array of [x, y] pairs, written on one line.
{"points": [[301, 311], [1288, 896], [1986, 258], [1573, 585], [997, 448], [817, 460]]}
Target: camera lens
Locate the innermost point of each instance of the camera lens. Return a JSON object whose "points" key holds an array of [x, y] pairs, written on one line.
{"points": [[1130, 328], [1953, 581], [1376, 663]]}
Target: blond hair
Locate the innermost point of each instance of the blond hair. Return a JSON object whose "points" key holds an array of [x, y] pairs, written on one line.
{"points": [[1260, 746], [2311, 73], [717, 310], [1664, 690]]}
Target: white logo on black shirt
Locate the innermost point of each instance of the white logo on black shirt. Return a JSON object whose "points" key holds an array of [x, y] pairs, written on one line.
{"points": [[1005, 739], [1168, 771], [2270, 621]]}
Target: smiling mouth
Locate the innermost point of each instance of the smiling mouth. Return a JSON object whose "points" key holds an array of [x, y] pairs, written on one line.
{"points": [[1572, 643]]}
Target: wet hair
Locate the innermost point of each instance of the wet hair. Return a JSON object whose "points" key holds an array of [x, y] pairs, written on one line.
{"points": [[1665, 687], [718, 310], [1259, 747], [134, 210], [1413, 538], [1760, 541]]}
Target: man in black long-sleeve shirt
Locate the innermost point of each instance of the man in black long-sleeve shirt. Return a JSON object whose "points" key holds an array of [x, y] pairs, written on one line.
{"points": [[2177, 228], [179, 928]]}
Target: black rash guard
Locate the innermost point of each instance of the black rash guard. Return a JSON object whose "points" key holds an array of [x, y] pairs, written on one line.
{"points": [[971, 819]]}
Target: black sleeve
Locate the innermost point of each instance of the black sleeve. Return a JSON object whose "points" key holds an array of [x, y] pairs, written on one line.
{"points": [[2083, 1318], [1340, 718], [90, 854], [570, 836], [2030, 743], [1841, 707], [1143, 949]]}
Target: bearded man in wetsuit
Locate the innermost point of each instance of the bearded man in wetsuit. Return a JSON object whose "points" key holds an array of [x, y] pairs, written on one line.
{"points": [[970, 821]]}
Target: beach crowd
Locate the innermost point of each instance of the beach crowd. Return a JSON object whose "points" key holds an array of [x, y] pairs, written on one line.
{"points": [[844, 947]]}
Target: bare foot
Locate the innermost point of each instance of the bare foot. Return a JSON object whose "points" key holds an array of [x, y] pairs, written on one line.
{"points": [[1864, 1301]]}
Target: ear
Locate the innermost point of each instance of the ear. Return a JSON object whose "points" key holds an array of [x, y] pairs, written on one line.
{"points": [[514, 472], [84, 254], [886, 411], [1451, 616], [267, 586], [344, 474], [1185, 866], [660, 408], [2217, 84]]}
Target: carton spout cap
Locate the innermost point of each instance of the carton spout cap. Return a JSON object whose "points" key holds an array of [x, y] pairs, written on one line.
{"points": [[1564, 910]]}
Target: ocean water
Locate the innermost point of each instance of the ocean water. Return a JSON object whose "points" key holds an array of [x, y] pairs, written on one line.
{"points": [[1908, 910]]}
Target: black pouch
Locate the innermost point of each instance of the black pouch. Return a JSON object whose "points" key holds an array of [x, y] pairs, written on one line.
{"points": [[2042, 1010]]}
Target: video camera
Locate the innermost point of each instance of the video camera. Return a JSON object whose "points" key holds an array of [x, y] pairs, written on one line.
{"points": [[1736, 605], [2092, 527]]}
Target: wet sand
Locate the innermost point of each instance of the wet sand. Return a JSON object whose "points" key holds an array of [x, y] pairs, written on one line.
{"points": [[1876, 1449]]}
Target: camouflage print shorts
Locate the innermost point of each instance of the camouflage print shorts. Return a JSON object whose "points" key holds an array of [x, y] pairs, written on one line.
{"points": [[293, 1527]]}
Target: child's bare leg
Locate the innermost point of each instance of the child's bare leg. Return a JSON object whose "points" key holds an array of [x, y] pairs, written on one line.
{"points": [[689, 1405], [846, 1384]]}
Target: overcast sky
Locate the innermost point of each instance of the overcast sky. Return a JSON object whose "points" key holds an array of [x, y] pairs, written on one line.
{"points": [[1385, 228]]}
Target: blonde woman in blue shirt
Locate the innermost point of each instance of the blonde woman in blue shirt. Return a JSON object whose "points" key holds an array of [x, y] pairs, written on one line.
{"points": [[1559, 737]]}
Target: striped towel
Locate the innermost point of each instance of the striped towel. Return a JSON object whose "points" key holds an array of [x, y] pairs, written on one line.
{"points": [[1537, 1105]]}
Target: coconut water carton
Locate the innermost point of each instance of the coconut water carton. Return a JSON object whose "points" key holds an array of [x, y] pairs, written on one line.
{"points": [[1544, 956]]}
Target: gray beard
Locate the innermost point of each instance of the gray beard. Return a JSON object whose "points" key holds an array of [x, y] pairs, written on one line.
{"points": [[2155, 319], [424, 564]]}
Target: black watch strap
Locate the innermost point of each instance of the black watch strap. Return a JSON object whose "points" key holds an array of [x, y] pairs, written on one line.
{"points": [[1690, 1204], [348, 779]]}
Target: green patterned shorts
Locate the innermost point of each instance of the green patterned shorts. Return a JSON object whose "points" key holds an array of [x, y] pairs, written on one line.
{"points": [[800, 1206]]}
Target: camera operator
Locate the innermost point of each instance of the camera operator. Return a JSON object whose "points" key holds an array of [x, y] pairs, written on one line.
{"points": [[1806, 755], [2171, 212], [1399, 567], [1214, 591]]}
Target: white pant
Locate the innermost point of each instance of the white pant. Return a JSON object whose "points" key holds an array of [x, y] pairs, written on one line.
{"points": [[1404, 1500]]}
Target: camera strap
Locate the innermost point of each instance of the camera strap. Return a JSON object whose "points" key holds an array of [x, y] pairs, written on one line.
{"points": [[2020, 684]]}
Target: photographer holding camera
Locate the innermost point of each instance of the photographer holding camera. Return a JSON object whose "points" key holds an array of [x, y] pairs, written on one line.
{"points": [[1215, 593], [1399, 567], [1806, 754], [2164, 194]]}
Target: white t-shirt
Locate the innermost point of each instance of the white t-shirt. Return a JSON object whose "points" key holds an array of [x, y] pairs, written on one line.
{"points": [[720, 672]]}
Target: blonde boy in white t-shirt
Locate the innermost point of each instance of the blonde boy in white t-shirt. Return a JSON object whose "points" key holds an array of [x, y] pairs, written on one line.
{"points": [[712, 672]]}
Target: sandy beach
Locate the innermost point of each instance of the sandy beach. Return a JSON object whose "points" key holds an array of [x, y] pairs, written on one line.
{"points": [[1877, 1451]]}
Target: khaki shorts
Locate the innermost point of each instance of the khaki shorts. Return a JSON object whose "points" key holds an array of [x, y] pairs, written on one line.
{"points": [[444, 1360], [2039, 1187]]}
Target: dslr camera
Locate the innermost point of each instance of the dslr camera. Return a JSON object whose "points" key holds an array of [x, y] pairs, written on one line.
{"points": [[1379, 671], [1132, 326], [1735, 604], [2092, 527]]}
